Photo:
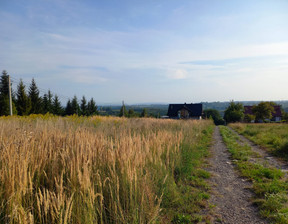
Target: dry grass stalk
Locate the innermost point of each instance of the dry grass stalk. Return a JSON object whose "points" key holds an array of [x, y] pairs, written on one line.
{"points": [[86, 170]]}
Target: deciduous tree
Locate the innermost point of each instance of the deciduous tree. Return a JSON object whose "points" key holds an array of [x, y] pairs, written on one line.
{"points": [[215, 115], [234, 112], [263, 111]]}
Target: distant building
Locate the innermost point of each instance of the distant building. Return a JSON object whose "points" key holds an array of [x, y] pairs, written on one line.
{"points": [[185, 111], [276, 115]]}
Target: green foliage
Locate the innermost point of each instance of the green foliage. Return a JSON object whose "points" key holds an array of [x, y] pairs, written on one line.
{"points": [[144, 113], [92, 108], [4, 96], [56, 105], [249, 118], [215, 115], [75, 106], [132, 113], [123, 111], [263, 110], [68, 109], [23, 101], [4, 84], [83, 106], [36, 101], [234, 112], [47, 104]]}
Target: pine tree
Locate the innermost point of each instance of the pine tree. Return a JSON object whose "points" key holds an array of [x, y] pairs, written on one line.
{"points": [[57, 108], [4, 94], [83, 106], [47, 104], [4, 86], [23, 101], [75, 106], [50, 104], [36, 101], [68, 109], [92, 108]]}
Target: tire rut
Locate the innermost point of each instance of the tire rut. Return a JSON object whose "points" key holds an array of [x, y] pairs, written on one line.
{"points": [[264, 157], [231, 194]]}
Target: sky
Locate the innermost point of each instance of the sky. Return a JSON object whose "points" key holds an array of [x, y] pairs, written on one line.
{"points": [[152, 51]]}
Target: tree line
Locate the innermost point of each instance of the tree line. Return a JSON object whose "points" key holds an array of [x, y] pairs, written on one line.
{"points": [[234, 112], [261, 112], [30, 102]]}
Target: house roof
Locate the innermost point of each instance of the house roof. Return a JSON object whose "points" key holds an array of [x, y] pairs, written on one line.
{"points": [[277, 110], [194, 109]]}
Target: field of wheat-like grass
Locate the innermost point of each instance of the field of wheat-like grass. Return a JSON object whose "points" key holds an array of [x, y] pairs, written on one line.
{"points": [[89, 170]]}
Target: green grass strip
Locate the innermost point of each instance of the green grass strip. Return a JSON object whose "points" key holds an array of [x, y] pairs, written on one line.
{"points": [[187, 195]]}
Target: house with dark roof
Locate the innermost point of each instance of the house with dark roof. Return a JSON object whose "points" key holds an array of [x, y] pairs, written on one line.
{"points": [[276, 115], [185, 111]]}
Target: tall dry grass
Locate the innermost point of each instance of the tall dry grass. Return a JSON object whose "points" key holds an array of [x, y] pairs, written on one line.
{"points": [[87, 170]]}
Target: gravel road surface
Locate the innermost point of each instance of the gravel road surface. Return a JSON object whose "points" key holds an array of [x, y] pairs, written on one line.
{"points": [[231, 194]]}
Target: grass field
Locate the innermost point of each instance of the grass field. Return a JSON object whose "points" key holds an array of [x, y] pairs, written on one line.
{"points": [[102, 170], [273, 137]]}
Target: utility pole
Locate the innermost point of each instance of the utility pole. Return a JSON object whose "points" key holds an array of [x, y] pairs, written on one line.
{"points": [[10, 96], [123, 108]]}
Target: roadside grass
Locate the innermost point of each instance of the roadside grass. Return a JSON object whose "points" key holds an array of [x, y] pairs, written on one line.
{"points": [[102, 170], [273, 137], [269, 184], [188, 194]]}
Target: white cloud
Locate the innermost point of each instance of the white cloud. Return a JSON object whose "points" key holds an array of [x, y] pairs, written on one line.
{"points": [[177, 74]]}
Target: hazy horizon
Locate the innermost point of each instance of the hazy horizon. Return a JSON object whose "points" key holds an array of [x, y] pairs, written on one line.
{"points": [[148, 51]]}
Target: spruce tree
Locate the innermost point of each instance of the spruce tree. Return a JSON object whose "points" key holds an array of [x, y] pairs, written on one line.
{"points": [[47, 104], [83, 106], [36, 101], [4, 94], [23, 101], [75, 106], [4, 84], [92, 108], [50, 103], [57, 108], [68, 109]]}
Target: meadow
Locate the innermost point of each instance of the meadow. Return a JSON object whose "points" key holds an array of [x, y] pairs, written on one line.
{"points": [[273, 137], [102, 170]]}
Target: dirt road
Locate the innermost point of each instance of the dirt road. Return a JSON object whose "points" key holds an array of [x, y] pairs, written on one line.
{"points": [[230, 194]]}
